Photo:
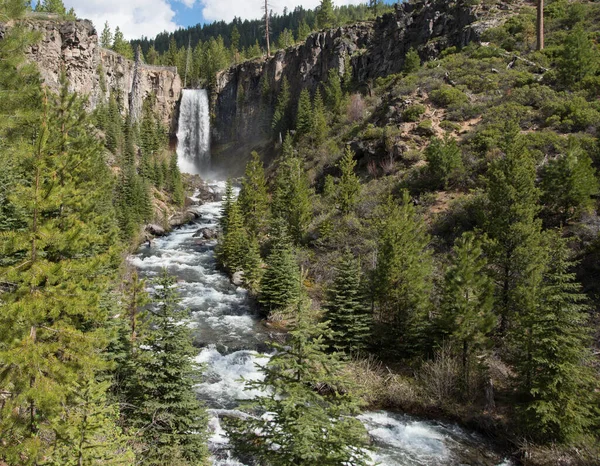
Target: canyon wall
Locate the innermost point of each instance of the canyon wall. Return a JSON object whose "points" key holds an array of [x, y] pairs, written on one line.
{"points": [[73, 46], [244, 95]]}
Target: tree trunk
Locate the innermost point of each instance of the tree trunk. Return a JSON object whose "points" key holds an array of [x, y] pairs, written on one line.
{"points": [[267, 28], [540, 24]]}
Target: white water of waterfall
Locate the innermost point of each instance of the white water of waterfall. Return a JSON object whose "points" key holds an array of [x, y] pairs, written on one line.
{"points": [[193, 135], [231, 342]]}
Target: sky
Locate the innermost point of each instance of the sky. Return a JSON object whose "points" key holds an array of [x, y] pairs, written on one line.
{"points": [[138, 18]]}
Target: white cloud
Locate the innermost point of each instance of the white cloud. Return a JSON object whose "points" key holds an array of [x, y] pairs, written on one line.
{"points": [[226, 10], [136, 18]]}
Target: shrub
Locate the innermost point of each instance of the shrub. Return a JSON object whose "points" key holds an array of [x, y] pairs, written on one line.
{"points": [[448, 95], [413, 113], [356, 108], [425, 128], [444, 161], [412, 61]]}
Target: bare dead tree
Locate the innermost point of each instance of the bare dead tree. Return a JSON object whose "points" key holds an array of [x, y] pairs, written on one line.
{"points": [[540, 24], [267, 28]]}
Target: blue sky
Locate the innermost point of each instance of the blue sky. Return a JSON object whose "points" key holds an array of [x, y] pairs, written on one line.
{"points": [[149, 17]]}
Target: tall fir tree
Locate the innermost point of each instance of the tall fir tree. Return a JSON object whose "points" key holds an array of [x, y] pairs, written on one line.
{"points": [[234, 244], [281, 116], [320, 126], [52, 327], [305, 426], [466, 318], [512, 225], [171, 422], [326, 15], [304, 114], [228, 200], [402, 279], [346, 308], [254, 198], [280, 284], [348, 192], [554, 378], [333, 91], [292, 196], [106, 38]]}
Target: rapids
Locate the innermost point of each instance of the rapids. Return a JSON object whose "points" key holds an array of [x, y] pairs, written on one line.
{"points": [[230, 338]]}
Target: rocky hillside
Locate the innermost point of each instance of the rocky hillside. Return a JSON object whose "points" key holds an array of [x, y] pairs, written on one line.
{"points": [[245, 92], [73, 46]]}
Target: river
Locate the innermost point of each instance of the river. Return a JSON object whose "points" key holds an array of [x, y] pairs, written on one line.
{"points": [[231, 341]]}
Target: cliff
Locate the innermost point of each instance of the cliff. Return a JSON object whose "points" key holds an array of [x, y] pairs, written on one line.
{"points": [[244, 94], [73, 46]]}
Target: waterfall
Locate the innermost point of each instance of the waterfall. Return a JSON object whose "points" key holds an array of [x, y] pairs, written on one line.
{"points": [[193, 135]]}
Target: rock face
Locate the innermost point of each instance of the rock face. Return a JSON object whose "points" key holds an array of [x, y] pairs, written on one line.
{"points": [[244, 94], [73, 45]]}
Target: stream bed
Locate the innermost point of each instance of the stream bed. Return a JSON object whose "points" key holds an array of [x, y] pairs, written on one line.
{"points": [[231, 341]]}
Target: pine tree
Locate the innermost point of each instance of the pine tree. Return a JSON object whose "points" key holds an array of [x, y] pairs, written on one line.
{"points": [[552, 354], [292, 197], [305, 426], [304, 115], [152, 56], [444, 162], [512, 226], [87, 432], [333, 91], [467, 298], [349, 188], [281, 116], [233, 247], [52, 324], [106, 38], [280, 284], [580, 57], [52, 6], [303, 31], [346, 308], [174, 182], [402, 278], [121, 46], [252, 267], [172, 423], [320, 127], [228, 199], [568, 184], [254, 198], [412, 61], [326, 15]]}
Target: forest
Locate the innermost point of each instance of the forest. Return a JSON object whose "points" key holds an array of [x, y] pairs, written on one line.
{"points": [[426, 245]]}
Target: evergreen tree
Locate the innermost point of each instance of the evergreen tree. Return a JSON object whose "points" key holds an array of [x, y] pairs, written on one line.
{"points": [[348, 76], [281, 116], [333, 91], [114, 130], [253, 266], [87, 433], [444, 162], [467, 299], [568, 184], [174, 182], [349, 187], [280, 284], [253, 198], [512, 226], [305, 426], [402, 278], [304, 115], [52, 6], [552, 354], [228, 199], [326, 15], [412, 61], [292, 196], [172, 423], [52, 324], [303, 31], [234, 244], [106, 38], [580, 57], [121, 46], [320, 127], [152, 56], [346, 309]]}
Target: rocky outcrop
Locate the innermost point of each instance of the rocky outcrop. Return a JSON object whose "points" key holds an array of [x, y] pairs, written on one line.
{"points": [[73, 46], [244, 94]]}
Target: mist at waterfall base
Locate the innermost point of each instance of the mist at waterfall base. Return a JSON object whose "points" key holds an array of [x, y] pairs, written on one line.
{"points": [[231, 341], [193, 134]]}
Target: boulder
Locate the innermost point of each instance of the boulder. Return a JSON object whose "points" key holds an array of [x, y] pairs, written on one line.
{"points": [[238, 278], [206, 233], [155, 230]]}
